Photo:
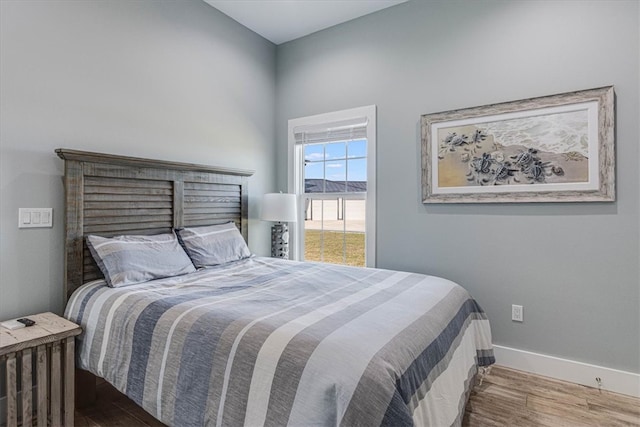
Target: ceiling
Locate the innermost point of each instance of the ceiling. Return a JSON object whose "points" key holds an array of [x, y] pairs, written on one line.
{"points": [[281, 21]]}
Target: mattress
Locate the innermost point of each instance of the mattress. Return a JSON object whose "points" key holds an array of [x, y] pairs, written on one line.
{"points": [[264, 341]]}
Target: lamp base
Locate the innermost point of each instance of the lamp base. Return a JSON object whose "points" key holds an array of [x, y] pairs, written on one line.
{"points": [[280, 240]]}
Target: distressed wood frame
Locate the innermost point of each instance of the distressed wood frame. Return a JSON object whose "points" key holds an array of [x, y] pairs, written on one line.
{"points": [[606, 152], [50, 343], [202, 205]]}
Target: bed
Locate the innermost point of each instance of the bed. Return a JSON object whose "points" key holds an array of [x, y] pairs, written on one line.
{"points": [[257, 341]]}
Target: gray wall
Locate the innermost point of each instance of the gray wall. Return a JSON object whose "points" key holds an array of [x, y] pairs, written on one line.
{"points": [[159, 79], [180, 81], [573, 266]]}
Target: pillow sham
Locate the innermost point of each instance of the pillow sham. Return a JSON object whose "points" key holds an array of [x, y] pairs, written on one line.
{"points": [[213, 244], [127, 260]]}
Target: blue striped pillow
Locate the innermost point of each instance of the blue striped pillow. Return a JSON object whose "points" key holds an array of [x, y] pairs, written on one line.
{"points": [[213, 244], [127, 260]]}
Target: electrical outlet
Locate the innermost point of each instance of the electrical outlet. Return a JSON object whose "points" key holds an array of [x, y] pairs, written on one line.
{"points": [[517, 313]]}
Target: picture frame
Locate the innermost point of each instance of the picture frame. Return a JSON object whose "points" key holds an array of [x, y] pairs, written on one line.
{"points": [[557, 148]]}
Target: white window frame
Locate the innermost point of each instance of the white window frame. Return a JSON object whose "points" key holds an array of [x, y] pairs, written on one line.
{"points": [[296, 176]]}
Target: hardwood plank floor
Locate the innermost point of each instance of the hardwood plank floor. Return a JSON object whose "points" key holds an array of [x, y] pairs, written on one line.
{"points": [[506, 397]]}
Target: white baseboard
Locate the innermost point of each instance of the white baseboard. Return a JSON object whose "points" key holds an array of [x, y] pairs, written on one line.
{"points": [[568, 370]]}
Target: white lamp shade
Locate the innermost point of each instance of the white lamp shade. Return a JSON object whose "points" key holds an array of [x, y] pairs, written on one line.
{"points": [[279, 207]]}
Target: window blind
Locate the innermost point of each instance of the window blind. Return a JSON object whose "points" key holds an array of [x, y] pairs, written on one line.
{"points": [[343, 130]]}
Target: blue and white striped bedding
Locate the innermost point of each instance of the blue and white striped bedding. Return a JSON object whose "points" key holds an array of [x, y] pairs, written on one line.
{"points": [[263, 341]]}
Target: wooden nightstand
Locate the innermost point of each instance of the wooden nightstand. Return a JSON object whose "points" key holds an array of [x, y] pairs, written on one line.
{"points": [[52, 341]]}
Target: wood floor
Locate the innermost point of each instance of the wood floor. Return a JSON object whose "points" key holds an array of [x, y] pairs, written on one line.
{"points": [[505, 398], [514, 398]]}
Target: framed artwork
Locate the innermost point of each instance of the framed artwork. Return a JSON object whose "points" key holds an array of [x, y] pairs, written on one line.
{"points": [[557, 148]]}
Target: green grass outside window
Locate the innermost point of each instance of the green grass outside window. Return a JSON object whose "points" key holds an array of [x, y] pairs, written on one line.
{"points": [[334, 247]]}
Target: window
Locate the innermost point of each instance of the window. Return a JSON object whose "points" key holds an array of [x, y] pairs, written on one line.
{"points": [[332, 171]]}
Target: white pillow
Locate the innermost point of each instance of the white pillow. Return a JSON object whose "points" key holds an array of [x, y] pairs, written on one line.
{"points": [[213, 244], [127, 260]]}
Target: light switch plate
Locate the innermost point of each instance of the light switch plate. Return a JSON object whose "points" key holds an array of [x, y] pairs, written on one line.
{"points": [[35, 217]]}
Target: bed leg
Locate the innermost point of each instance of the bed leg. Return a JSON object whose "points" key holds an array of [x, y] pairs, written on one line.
{"points": [[85, 388]]}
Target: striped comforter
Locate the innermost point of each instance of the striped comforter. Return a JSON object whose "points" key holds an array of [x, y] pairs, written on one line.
{"points": [[271, 342]]}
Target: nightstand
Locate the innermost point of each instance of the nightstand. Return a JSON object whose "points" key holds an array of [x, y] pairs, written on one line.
{"points": [[52, 342]]}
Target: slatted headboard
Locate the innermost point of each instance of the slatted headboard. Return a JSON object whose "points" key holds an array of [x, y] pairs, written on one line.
{"points": [[112, 195]]}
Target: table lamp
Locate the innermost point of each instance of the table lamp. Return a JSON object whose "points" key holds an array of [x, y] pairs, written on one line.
{"points": [[282, 208]]}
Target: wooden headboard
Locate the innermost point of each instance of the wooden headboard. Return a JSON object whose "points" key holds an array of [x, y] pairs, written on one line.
{"points": [[111, 195]]}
